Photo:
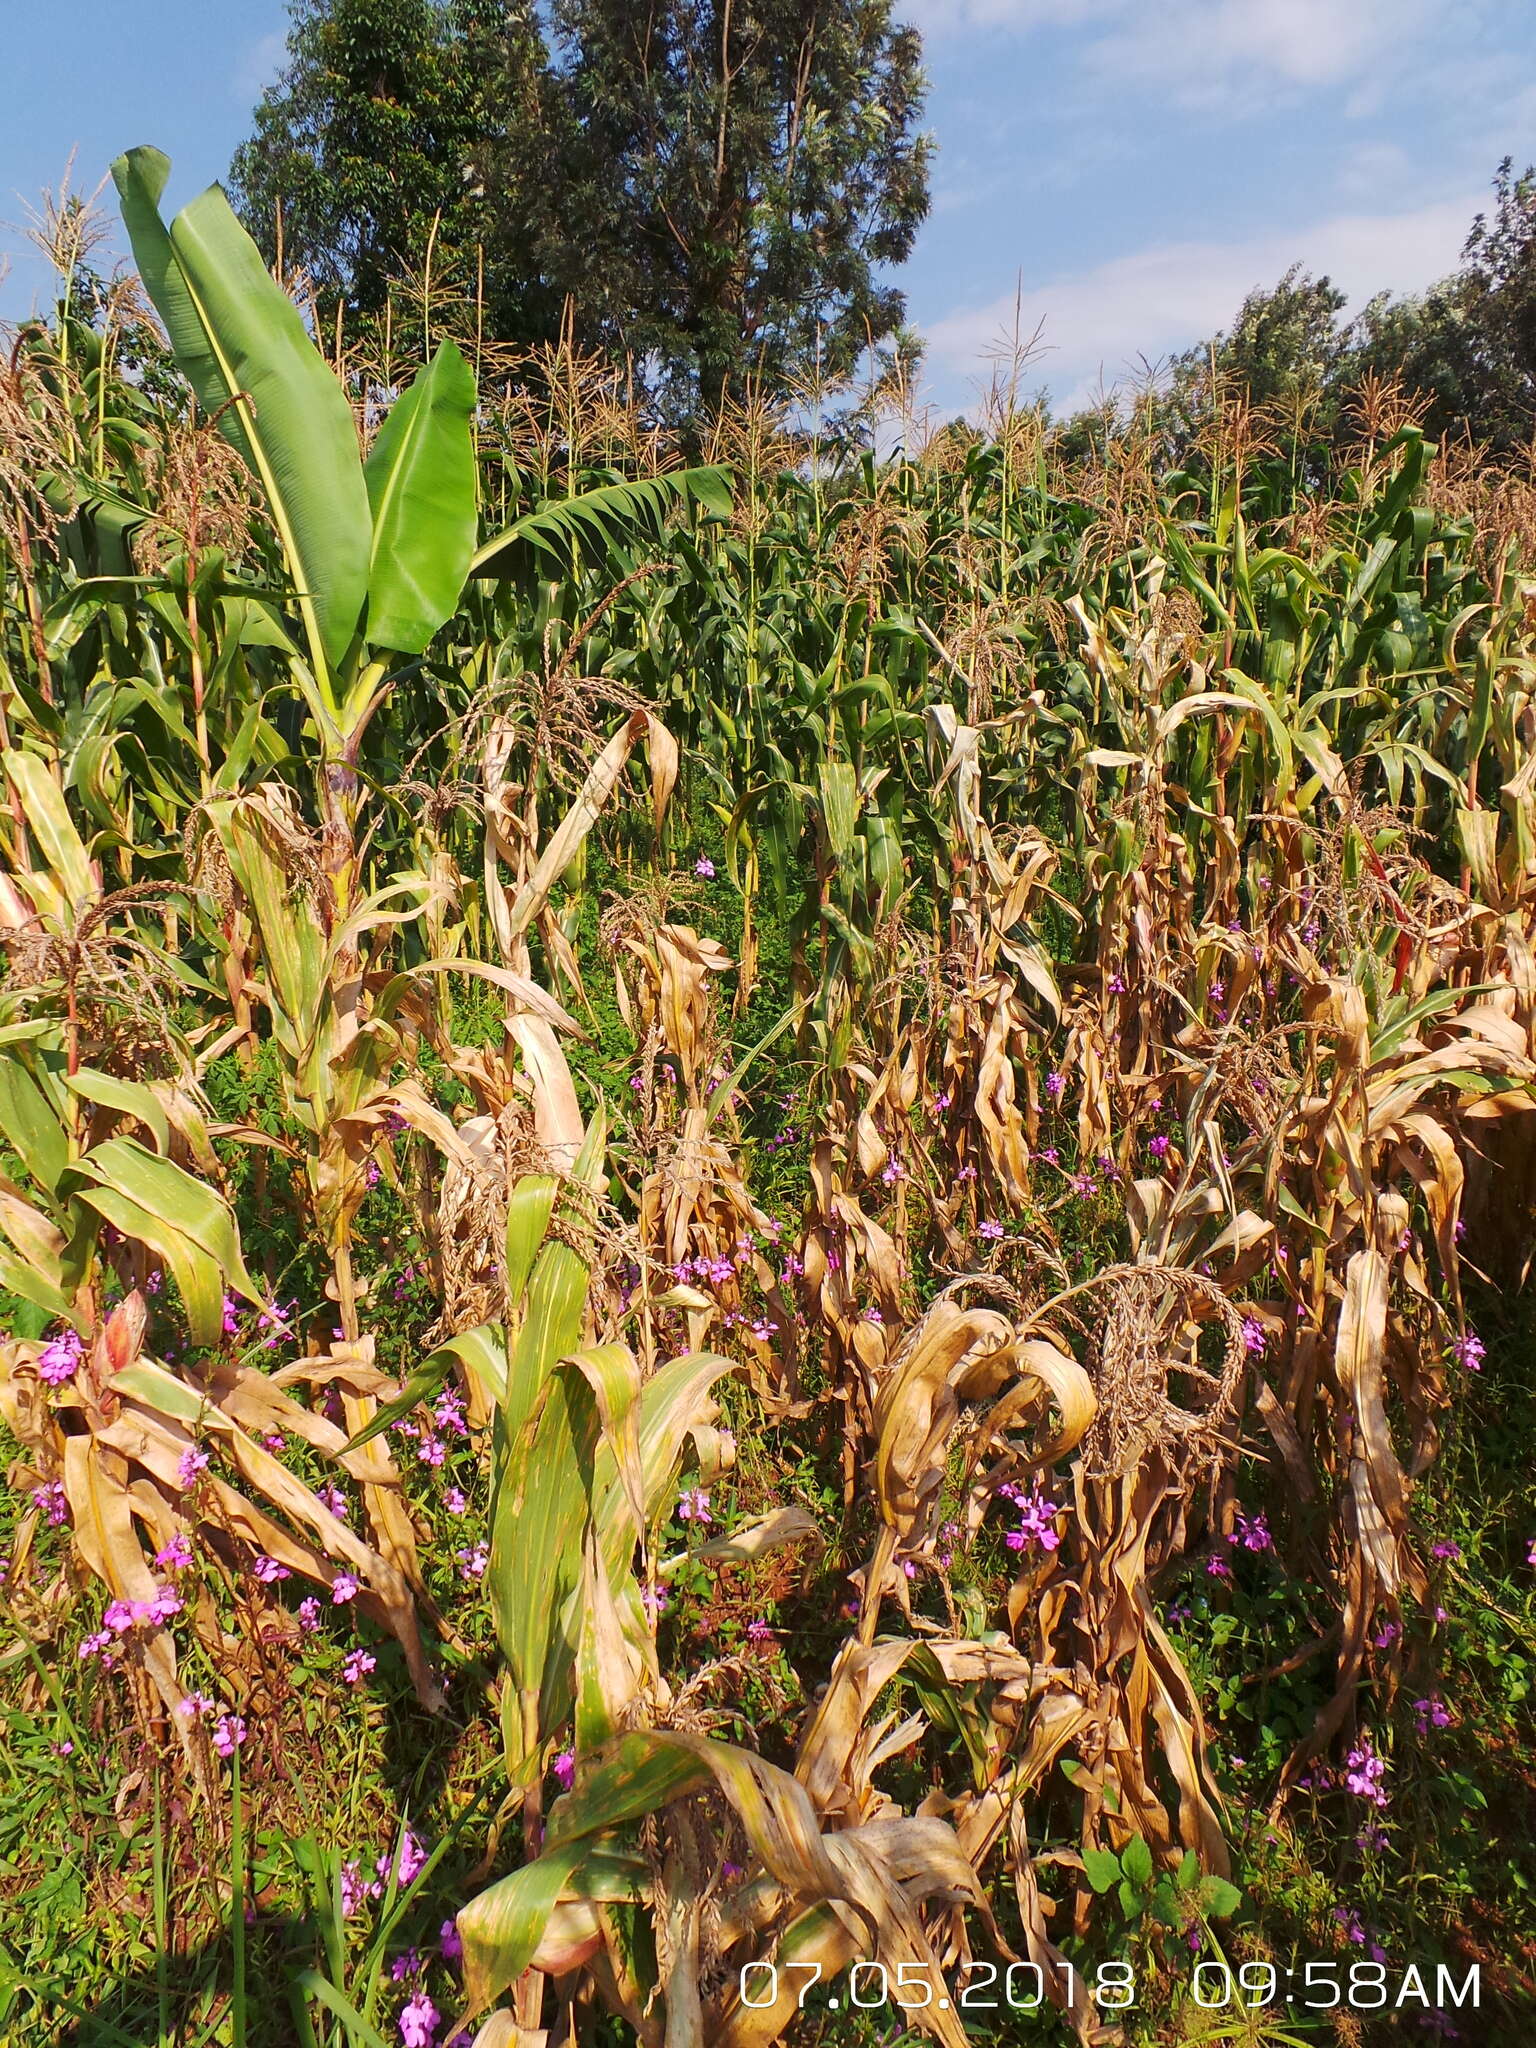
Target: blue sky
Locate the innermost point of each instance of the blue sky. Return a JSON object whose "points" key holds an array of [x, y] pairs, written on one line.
{"points": [[1131, 167]]}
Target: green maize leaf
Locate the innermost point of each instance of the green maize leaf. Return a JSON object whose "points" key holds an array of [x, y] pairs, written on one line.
{"points": [[423, 488], [238, 336], [167, 1395], [483, 1349], [502, 1927], [196, 1275], [29, 1128], [546, 1440], [131, 1097], [47, 814], [529, 1208], [184, 1220], [21, 1278], [639, 1775]]}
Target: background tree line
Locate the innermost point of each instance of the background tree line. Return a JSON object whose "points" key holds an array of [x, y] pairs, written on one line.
{"points": [[718, 192]]}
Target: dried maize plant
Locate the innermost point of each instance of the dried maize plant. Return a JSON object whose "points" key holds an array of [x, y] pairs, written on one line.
{"points": [[730, 1859], [117, 1189], [699, 1225], [975, 1401]]}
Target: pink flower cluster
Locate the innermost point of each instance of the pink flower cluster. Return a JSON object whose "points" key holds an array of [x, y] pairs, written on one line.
{"points": [[1037, 1519], [59, 1360]]}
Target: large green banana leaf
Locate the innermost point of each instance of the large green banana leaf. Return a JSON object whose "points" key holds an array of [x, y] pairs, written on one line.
{"points": [[423, 491], [237, 336]]}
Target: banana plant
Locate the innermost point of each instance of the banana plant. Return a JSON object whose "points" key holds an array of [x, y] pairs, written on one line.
{"points": [[380, 550]]}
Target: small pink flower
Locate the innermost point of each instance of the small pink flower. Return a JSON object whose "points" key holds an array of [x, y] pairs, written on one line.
{"points": [[51, 1500], [472, 1562], [419, 2022], [564, 1768], [59, 1360], [191, 1464], [269, 1571], [455, 1502], [693, 1506], [449, 1941], [356, 1665], [1365, 1773], [1469, 1351], [228, 1734], [1255, 1337], [195, 1706], [309, 1615], [176, 1555], [343, 1589], [704, 867], [1055, 1086]]}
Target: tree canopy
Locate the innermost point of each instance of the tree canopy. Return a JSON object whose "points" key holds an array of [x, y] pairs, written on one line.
{"points": [[718, 189]]}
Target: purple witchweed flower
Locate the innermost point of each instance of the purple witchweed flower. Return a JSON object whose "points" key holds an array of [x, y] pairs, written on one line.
{"points": [[472, 1562], [448, 1940], [191, 1464], [405, 1965], [1158, 1146], [1365, 1773], [1432, 1713], [704, 867], [1255, 1338], [693, 1506], [176, 1555], [50, 1500], [455, 1502], [59, 1360], [231, 1309], [1469, 1351], [431, 1450], [309, 1615], [990, 1231], [228, 1733], [195, 1706], [758, 1630], [269, 1571], [419, 2022], [1037, 1521], [564, 1768], [1447, 1550], [343, 1589], [1252, 1533], [1055, 1086], [356, 1665]]}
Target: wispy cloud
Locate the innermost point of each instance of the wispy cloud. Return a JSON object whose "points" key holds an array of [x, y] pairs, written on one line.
{"points": [[1099, 323], [1206, 53], [256, 67]]}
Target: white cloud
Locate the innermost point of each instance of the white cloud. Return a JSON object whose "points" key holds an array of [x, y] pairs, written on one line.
{"points": [[1098, 322], [257, 67], [1207, 53]]}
